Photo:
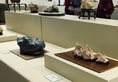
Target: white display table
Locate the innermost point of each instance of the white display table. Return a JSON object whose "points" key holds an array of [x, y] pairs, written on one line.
{"points": [[65, 31], [15, 69], [7, 36], [98, 33], [24, 22], [78, 73]]}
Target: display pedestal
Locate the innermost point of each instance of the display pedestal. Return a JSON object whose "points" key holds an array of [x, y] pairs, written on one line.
{"points": [[15, 69], [52, 14], [7, 36], [78, 73]]}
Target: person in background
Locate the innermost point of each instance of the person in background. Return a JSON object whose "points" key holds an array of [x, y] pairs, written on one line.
{"points": [[67, 3], [76, 4], [105, 9]]}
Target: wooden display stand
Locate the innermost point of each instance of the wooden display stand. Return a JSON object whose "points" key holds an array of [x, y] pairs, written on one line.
{"points": [[52, 13], [17, 4], [90, 13]]}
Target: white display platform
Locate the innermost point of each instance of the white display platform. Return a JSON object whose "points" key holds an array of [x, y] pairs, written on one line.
{"points": [[78, 73], [98, 33], [24, 22], [7, 36], [15, 69]]}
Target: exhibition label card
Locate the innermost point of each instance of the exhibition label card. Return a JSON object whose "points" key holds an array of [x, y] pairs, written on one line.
{"points": [[5, 52], [53, 78]]}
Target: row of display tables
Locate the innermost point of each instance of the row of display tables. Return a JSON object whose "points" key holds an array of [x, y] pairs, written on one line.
{"points": [[65, 31]]}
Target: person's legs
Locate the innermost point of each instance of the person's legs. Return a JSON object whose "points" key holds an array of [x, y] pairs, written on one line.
{"points": [[67, 12], [76, 11]]}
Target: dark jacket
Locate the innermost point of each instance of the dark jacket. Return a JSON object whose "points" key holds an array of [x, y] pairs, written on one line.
{"points": [[76, 3], [67, 3], [105, 9]]}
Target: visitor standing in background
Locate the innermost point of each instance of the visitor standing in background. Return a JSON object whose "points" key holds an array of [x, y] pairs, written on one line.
{"points": [[105, 9], [67, 3], [76, 4]]}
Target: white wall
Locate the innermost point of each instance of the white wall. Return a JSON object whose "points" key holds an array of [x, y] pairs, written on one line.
{"points": [[40, 2], [2, 1], [115, 2], [34, 1]]}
